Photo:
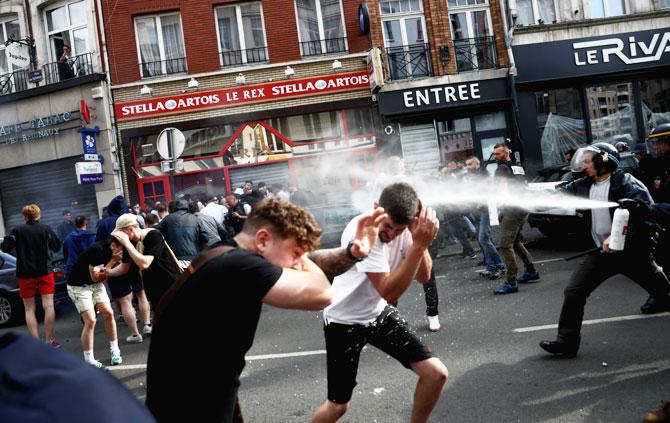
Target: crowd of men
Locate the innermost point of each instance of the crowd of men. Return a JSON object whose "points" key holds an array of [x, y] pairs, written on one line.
{"points": [[171, 257]]}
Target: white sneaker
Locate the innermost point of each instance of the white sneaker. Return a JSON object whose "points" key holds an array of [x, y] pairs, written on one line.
{"points": [[433, 323], [96, 363], [147, 330], [134, 339], [116, 358]]}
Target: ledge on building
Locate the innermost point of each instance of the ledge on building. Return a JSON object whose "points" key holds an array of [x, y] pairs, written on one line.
{"points": [[581, 23], [50, 88]]}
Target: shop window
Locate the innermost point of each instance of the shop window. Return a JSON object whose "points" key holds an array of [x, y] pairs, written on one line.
{"points": [[472, 35], [360, 122], [613, 118], [404, 32], [256, 144], [160, 45], [310, 127], [655, 96], [665, 3], [455, 139], [320, 27], [535, 12], [490, 121], [560, 122], [606, 8], [241, 34]]}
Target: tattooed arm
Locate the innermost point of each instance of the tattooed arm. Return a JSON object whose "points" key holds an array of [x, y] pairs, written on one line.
{"points": [[336, 261]]}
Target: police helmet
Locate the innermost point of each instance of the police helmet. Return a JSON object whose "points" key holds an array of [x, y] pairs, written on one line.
{"points": [[621, 146], [660, 133], [606, 158]]}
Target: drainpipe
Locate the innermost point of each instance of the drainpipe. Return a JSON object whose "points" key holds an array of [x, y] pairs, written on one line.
{"points": [[117, 164], [509, 36]]}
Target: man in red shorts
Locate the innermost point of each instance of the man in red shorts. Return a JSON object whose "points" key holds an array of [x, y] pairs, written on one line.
{"points": [[33, 241]]}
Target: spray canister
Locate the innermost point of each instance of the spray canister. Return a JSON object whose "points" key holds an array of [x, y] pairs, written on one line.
{"points": [[619, 229], [493, 213]]}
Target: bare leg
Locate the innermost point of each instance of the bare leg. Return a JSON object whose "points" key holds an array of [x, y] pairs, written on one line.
{"points": [[108, 316], [49, 317], [89, 327], [432, 377], [128, 312], [143, 305], [31, 319], [329, 412]]}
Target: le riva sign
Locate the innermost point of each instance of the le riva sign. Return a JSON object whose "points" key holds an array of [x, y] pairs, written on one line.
{"points": [[231, 97]]}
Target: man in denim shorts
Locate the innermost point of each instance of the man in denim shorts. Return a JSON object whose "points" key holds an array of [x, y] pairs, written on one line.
{"points": [[360, 313], [87, 290]]}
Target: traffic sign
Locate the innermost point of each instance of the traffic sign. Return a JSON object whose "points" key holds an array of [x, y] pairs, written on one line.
{"points": [[178, 143]]}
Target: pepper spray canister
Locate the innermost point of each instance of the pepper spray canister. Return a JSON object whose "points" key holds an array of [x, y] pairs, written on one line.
{"points": [[619, 229]]}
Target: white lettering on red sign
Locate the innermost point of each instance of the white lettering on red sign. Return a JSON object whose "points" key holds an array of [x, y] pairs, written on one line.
{"points": [[240, 95]]}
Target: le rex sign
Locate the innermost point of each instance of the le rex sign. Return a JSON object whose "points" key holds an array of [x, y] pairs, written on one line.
{"points": [[231, 97]]}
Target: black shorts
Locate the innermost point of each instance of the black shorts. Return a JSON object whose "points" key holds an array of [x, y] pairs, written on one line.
{"points": [[120, 287], [389, 332]]}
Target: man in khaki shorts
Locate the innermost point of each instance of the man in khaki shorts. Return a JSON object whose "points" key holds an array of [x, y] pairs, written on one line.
{"points": [[87, 291]]}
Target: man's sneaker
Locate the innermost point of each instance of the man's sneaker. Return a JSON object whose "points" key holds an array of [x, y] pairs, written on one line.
{"points": [[433, 323], [147, 330], [506, 288], [134, 339], [96, 363], [528, 277], [116, 358], [53, 344], [493, 274]]}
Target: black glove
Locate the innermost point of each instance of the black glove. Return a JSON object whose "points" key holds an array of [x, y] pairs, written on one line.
{"points": [[637, 207]]}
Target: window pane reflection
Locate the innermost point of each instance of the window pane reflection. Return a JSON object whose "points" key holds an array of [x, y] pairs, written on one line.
{"points": [[560, 121], [612, 113]]}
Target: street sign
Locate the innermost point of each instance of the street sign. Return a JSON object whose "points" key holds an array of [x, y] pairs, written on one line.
{"points": [[91, 157], [178, 143], [35, 76], [166, 166], [88, 172]]}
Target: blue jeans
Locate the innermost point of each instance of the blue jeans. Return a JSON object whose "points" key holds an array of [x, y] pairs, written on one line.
{"points": [[491, 257]]}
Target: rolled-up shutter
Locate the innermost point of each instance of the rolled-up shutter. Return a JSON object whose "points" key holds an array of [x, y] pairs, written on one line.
{"points": [[420, 149], [52, 186], [269, 173]]}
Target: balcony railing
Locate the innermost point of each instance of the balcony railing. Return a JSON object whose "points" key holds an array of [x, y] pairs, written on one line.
{"points": [[475, 54], [317, 47], [163, 67], [14, 82], [75, 67], [409, 61], [242, 57]]}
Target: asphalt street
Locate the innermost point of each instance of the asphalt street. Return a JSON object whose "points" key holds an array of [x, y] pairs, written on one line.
{"points": [[497, 372]]}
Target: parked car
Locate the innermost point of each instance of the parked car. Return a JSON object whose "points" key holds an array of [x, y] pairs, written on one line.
{"points": [[11, 305], [565, 222]]}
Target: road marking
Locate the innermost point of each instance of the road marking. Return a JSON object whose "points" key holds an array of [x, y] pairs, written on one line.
{"points": [[248, 358], [594, 322], [549, 260]]}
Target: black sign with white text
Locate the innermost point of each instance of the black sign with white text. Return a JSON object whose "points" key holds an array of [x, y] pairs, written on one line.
{"points": [[593, 55], [436, 97]]}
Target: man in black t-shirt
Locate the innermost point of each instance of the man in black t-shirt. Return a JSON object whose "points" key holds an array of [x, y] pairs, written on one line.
{"points": [[266, 264], [85, 287], [150, 254]]}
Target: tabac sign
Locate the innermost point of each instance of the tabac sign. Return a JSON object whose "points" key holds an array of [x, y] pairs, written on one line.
{"points": [[593, 56], [231, 97]]}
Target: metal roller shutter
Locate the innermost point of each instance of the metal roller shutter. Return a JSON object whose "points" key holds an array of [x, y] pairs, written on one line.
{"points": [[268, 173], [52, 186], [420, 148]]}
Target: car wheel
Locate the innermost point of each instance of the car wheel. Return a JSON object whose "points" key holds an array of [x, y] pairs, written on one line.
{"points": [[9, 310]]}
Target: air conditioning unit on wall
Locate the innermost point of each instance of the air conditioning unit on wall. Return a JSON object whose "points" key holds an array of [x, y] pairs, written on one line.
{"points": [[97, 93]]}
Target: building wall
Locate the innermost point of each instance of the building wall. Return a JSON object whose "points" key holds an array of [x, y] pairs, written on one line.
{"points": [[199, 29]]}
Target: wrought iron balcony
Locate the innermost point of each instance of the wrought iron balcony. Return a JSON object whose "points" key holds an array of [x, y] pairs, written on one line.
{"points": [[242, 57], [163, 67], [409, 61], [317, 47], [74, 67], [475, 54], [14, 82]]}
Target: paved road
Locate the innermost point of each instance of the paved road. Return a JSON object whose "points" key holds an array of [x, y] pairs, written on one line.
{"points": [[489, 343]]}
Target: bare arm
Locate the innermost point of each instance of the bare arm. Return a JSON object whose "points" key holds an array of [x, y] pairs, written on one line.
{"points": [[425, 267], [306, 289], [119, 270], [392, 285], [332, 262], [142, 261]]}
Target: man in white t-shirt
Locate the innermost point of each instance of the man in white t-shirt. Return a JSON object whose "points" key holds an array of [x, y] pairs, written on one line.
{"points": [[215, 210], [360, 313]]}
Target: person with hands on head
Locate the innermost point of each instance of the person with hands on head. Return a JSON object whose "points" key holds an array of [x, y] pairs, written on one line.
{"points": [[271, 261], [604, 182], [360, 312]]}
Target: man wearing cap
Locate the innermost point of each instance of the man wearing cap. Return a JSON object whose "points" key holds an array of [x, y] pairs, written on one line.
{"points": [[148, 250]]}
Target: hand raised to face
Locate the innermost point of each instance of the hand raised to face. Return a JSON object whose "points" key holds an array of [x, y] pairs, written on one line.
{"points": [[424, 227], [367, 232]]}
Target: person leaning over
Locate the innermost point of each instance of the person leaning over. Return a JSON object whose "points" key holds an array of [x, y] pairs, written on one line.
{"points": [[148, 250], [33, 241], [221, 295], [87, 292]]}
